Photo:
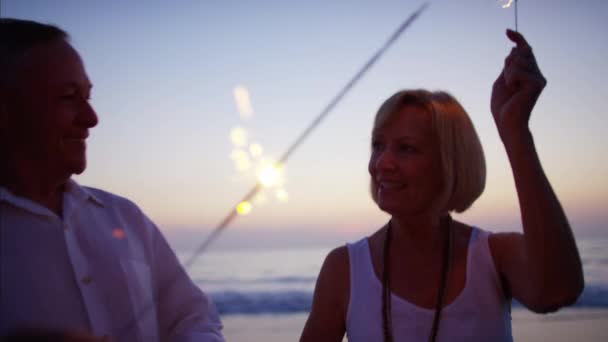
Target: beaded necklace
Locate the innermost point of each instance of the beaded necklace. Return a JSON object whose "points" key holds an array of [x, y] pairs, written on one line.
{"points": [[386, 290]]}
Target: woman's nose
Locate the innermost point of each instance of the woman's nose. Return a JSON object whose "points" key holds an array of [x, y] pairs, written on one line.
{"points": [[385, 160]]}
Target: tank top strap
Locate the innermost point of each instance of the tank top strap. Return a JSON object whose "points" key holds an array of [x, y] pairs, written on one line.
{"points": [[480, 258], [363, 285]]}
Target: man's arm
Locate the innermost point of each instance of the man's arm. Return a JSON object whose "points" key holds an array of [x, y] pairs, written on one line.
{"points": [[185, 313]]}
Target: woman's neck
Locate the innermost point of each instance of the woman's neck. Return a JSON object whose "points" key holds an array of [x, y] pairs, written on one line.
{"points": [[422, 233]]}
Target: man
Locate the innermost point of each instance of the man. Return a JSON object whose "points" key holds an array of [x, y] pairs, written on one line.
{"points": [[74, 258]]}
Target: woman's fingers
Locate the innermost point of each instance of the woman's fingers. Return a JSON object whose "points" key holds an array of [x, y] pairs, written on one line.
{"points": [[523, 73], [518, 39], [520, 67]]}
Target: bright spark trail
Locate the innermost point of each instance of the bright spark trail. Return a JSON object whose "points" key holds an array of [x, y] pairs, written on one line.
{"points": [[328, 108], [258, 186]]}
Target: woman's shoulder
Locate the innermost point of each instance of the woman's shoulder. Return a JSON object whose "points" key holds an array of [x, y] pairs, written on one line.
{"points": [[473, 233], [337, 258], [505, 246], [497, 242], [335, 269], [333, 284]]}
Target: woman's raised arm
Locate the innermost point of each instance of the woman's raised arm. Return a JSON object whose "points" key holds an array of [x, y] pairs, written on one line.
{"points": [[542, 267]]}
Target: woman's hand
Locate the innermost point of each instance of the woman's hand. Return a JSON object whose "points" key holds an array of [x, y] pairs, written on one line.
{"points": [[516, 90]]}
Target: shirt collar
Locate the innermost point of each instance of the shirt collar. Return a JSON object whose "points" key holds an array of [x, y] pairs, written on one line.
{"points": [[72, 190], [23, 203]]}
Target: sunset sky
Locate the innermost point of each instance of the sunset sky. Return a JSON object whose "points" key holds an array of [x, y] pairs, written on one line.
{"points": [[164, 75]]}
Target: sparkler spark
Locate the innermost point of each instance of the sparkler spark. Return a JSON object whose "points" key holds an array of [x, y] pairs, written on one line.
{"points": [[243, 208], [250, 161], [243, 103], [269, 175], [260, 198], [238, 136], [256, 150], [241, 160], [507, 5], [282, 195]]}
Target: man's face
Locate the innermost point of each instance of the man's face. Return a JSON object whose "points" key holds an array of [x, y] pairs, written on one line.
{"points": [[49, 114]]}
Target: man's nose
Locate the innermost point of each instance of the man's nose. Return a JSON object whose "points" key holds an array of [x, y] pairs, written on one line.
{"points": [[87, 116]]}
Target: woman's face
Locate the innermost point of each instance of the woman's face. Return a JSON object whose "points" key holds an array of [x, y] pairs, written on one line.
{"points": [[405, 167]]}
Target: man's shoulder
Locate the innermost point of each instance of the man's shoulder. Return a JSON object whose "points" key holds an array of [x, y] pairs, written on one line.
{"points": [[117, 207], [111, 200]]}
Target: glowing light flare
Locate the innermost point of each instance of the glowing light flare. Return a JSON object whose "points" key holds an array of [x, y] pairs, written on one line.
{"points": [[244, 208], [282, 195], [269, 175], [507, 4], [238, 136], [118, 233], [237, 154], [243, 102], [249, 159], [243, 165], [256, 150], [241, 160], [259, 198]]}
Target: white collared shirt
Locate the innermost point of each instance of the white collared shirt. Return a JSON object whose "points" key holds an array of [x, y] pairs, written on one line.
{"points": [[104, 267]]}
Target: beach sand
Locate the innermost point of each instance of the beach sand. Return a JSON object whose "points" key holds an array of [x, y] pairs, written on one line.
{"points": [[579, 325]]}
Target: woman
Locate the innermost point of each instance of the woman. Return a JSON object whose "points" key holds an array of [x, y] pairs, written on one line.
{"points": [[423, 276]]}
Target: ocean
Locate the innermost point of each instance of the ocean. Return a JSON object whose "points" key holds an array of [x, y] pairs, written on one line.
{"points": [[280, 281]]}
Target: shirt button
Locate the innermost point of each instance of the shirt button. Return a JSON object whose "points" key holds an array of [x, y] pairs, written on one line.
{"points": [[87, 280]]}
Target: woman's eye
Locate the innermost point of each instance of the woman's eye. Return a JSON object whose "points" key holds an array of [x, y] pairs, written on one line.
{"points": [[376, 145]]}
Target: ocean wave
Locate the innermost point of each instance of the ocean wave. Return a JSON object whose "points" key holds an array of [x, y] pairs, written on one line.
{"points": [[281, 302], [594, 296], [232, 302], [262, 280]]}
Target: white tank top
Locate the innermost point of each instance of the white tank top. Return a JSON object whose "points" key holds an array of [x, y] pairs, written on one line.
{"points": [[479, 313]]}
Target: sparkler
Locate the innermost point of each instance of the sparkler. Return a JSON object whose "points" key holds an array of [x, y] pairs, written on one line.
{"points": [[244, 204], [243, 102], [330, 106], [507, 5], [249, 157]]}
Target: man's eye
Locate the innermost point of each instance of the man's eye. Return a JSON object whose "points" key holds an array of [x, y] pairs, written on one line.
{"points": [[74, 95], [68, 95], [406, 148]]}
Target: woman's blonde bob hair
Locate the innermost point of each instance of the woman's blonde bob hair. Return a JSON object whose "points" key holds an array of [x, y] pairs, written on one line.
{"points": [[462, 159]]}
